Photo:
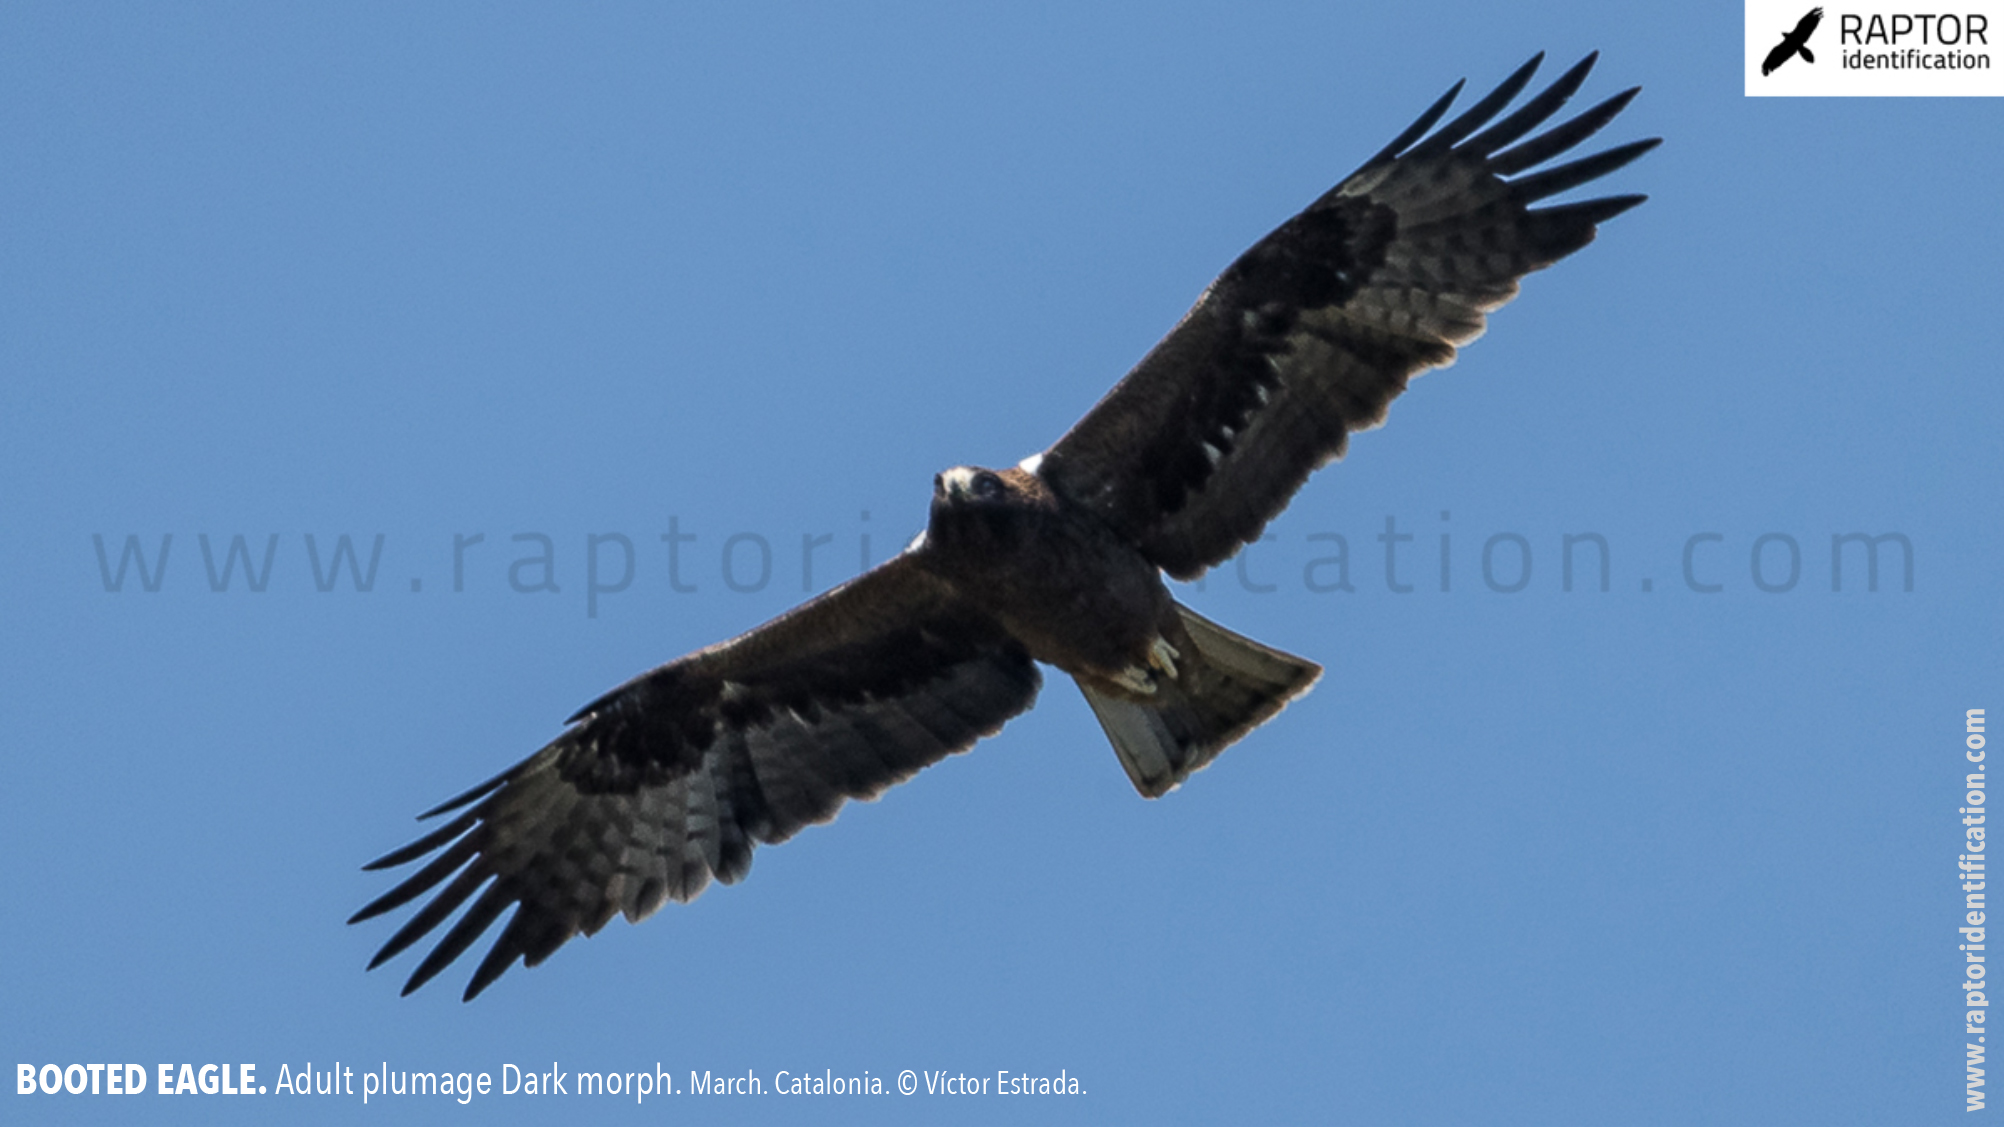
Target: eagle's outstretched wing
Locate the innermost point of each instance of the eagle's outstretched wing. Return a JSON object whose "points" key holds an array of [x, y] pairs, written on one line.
{"points": [[1312, 332], [671, 779]]}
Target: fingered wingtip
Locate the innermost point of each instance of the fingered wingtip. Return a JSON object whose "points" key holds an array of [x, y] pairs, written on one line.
{"points": [[459, 800], [425, 972], [449, 804], [369, 912]]}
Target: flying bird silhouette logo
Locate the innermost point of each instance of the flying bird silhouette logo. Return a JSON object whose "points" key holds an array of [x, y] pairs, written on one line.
{"points": [[669, 781], [1793, 43]]}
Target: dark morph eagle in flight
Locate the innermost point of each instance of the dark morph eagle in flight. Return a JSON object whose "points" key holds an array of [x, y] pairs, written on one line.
{"points": [[669, 780], [1793, 43]]}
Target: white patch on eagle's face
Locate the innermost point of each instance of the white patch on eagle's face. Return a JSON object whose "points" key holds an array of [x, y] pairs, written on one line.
{"points": [[957, 482], [969, 483], [1030, 464]]}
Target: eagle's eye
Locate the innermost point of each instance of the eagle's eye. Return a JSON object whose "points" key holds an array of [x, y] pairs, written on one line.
{"points": [[987, 486]]}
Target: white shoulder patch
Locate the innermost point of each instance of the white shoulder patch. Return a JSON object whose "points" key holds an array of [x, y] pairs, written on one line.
{"points": [[917, 542], [1029, 465]]}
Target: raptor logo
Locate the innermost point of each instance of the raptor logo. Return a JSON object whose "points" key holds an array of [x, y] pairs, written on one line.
{"points": [[1793, 42]]}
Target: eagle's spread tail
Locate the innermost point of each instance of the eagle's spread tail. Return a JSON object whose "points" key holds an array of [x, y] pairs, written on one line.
{"points": [[1230, 686]]}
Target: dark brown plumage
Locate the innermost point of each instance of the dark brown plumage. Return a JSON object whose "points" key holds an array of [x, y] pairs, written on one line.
{"points": [[671, 779]]}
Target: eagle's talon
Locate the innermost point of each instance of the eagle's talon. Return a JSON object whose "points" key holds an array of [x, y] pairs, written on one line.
{"points": [[1163, 656], [1137, 680]]}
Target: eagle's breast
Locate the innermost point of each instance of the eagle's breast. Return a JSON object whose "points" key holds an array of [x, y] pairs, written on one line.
{"points": [[1077, 594]]}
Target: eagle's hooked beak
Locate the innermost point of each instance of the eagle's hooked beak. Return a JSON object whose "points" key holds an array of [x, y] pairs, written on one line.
{"points": [[956, 484]]}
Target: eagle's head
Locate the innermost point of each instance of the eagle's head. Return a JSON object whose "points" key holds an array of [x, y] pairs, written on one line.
{"points": [[968, 485], [984, 511]]}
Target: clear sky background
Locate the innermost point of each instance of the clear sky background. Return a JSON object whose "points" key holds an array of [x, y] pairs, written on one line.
{"points": [[1641, 855]]}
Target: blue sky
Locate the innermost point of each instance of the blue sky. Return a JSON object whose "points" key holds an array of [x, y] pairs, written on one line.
{"points": [[1643, 855]]}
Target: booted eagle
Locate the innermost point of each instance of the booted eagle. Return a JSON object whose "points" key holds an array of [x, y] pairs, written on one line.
{"points": [[668, 781]]}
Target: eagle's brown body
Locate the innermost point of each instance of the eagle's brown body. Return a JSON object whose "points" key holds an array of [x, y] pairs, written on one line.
{"points": [[1093, 606], [1170, 688], [668, 781]]}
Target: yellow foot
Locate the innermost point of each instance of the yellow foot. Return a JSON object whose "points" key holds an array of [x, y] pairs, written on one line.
{"points": [[1139, 680], [1144, 680]]}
